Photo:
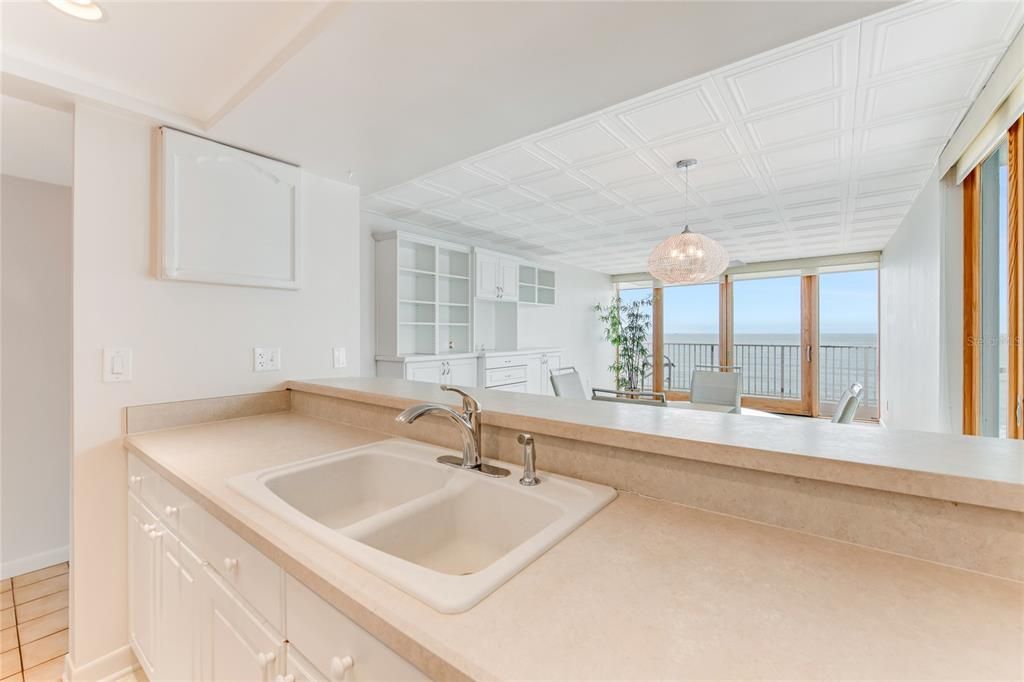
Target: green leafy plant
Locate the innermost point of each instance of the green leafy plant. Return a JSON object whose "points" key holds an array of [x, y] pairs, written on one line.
{"points": [[626, 327]]}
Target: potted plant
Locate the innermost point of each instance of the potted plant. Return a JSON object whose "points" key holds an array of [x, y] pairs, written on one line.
{"points": [[626, 327]]}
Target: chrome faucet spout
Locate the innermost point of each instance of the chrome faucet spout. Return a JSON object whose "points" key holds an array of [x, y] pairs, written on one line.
{"points": [[468, 424]]}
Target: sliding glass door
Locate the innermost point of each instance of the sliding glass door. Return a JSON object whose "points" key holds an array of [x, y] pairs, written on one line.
{"points": [[691, 333], [848, 339]]}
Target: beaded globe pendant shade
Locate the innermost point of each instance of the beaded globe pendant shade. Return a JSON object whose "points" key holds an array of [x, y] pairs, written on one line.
{"points": [[687, 257]]}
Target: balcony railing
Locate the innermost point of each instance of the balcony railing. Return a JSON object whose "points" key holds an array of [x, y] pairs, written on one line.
{"points": [[773, 370]]}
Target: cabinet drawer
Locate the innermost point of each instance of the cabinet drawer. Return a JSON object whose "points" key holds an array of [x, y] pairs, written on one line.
{"points": [[145, 483], [321, 634], [256, 578], [504, 362], [510, 375]]}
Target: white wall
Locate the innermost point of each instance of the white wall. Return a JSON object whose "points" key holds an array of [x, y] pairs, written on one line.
{"points": [[572, 322], [189, 340], [36, 382], [921, 313]]}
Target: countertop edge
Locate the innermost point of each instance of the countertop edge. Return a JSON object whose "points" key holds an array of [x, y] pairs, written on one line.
{"points": [[950, 487]]}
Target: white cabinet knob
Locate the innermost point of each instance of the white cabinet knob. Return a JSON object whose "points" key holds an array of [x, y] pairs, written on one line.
{"points": [[135, 480], [170, 511], [148, 527], [285, 678], [340, 668], [266, 659], [230, 564], [155, 534]]}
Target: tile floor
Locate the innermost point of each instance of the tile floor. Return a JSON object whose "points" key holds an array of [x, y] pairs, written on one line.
{"points": [[34, 625]]}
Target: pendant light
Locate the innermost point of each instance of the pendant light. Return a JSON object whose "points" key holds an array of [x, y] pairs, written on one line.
{"points": [[687, 257]]}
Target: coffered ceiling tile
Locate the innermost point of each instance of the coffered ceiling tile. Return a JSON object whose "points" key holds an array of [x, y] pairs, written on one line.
{"points": [[514, 164], [458, 180], [902, 197], [718, 173], [745, 189], [806, 177], [504, 199], [377, 204], [706, 147], [669, 204], [613, 214], [880, 213], [814, 210], [677, 114], [645, 189], [587, 202], [540, 212], [921, 34], [413, 195], [946, 86], [937, 126], [459, 210], [424, 219], [555, 186], [813, 195], [870, 184], [496, 221], [582, 143], [900, 159], [804, 155], [619, 169], [798, 123], [790, 75]]}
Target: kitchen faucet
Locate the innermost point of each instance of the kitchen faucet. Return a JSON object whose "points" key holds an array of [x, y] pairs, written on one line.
{"points": [[468, 423]]}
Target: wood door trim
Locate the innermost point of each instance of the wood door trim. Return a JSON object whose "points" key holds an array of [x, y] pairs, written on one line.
{"points": [[1015, 261], [725, 321], [809, 340], [972, 317]]}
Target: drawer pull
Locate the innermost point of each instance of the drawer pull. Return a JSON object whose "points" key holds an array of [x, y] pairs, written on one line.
{"points": [[230, 564], [170, 511], [340, 668], [266, 659]]}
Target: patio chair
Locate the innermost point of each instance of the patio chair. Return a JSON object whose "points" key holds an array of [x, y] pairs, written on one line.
{"points": [[716, 385], [567, 383], [849, 401]]}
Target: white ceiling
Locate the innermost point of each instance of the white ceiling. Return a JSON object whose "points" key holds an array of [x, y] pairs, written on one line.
{"points": [[37, 142], [819, 147], [187, 59]]}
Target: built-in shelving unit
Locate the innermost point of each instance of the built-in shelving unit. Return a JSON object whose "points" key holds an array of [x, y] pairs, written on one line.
{"points": [[423, 296]]}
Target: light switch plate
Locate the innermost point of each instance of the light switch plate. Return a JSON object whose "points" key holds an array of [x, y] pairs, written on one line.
{"points": [[117, 365], [339, 357], [266, 359]]}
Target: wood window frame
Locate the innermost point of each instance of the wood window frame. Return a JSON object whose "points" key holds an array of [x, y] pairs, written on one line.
{"points": [[1015, 262], [972, 302]]}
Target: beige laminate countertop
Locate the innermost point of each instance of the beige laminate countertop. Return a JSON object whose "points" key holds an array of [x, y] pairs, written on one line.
{"points": [[644, 590], [983, 471]]}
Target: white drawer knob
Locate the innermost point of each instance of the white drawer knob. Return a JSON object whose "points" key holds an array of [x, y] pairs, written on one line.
{"points": [[285, 678], [170, 511], [266, 659], [148, 527], [340, 668], [135, 480], [230, 564], [155, 534]]}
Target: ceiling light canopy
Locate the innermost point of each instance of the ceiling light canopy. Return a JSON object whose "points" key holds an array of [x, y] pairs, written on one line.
{"points": [[80, 9], [687, 257]]}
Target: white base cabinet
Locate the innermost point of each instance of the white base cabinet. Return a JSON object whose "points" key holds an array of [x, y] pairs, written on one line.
{"points": [[459, 371], [216, 610]]}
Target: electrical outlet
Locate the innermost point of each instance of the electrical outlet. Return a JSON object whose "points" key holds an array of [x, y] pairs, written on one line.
{"points": [[339, 357], [266, 359]]}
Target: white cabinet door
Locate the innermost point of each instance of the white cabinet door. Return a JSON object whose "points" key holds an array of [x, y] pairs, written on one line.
{"points": [[180, 572], [424, 371], [234, 644], [487, 275], [143, 581], [461, 372], [508, 280], [535, 374]]}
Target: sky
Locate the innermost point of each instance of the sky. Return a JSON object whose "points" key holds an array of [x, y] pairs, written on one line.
{"points": [[848, 305]]}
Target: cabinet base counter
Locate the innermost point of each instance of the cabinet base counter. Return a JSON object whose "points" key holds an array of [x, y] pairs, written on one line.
{"points": [[657, 590]]}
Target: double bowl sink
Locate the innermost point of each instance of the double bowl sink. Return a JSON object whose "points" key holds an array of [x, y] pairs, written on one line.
{"points": [[447, 536]]}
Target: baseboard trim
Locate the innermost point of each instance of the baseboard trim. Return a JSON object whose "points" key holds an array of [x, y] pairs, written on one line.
{"points": [[108, 668], [33, 562]]}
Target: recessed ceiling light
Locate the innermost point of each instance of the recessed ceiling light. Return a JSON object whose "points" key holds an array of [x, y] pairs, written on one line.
{"points": [[80, 9]]}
